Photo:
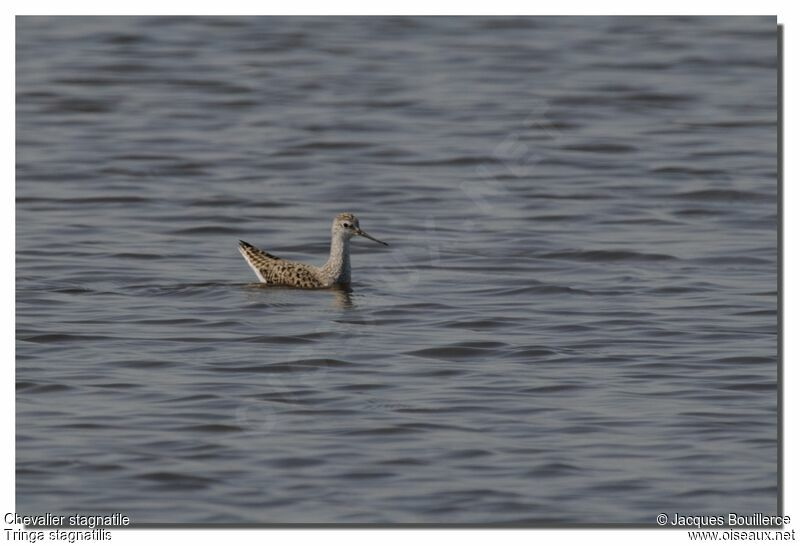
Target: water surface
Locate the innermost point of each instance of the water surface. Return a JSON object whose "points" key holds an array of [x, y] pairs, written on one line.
{"points": [[575, 321]]}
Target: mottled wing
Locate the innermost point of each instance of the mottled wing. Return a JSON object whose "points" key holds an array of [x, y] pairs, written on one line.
{"points": [[273, 270], [287, 273]]}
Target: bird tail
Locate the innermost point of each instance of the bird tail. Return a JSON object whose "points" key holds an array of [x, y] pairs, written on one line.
{"points": [[256, 252], [257, 259]]}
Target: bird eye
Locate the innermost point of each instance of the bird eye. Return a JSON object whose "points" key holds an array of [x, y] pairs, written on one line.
{"points": [[346, 225]]}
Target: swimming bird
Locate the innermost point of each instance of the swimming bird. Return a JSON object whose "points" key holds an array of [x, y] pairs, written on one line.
{"points": [[276, 271]]}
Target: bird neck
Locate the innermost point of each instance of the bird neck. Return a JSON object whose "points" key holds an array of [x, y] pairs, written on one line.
{"points": [[338, 264]]}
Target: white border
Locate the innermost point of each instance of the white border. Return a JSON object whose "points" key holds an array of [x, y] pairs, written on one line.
{"points": [[787, 15], [7, 304], [401, 7]]}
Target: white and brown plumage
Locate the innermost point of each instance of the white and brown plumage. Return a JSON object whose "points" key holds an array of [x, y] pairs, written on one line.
{"points": [[276, 271]]}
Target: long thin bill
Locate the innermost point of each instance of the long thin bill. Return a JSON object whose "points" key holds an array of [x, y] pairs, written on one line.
{"points": [[368, 236]]}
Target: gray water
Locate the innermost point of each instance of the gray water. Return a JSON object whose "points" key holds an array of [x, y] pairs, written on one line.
{"points": [[576, 320]]}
